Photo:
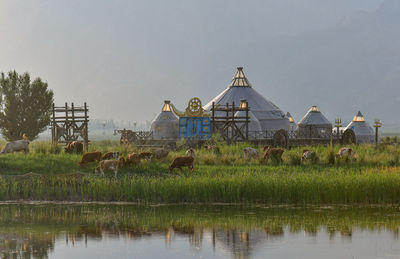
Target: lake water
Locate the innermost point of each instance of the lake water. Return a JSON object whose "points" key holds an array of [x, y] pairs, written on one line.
{"points": [[130, 231]]}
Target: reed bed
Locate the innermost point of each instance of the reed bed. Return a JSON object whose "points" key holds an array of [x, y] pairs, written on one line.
{"points": [[373, 186], [226, 177]]}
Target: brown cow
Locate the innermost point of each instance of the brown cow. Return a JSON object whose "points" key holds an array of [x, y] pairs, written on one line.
{"points": [[266, 147], [146, 155], [213, 149], [275, 153], [107, 165], [74, 147], [121, 162], [133, 159], [90, 157], [110, 155], [182, 161]]}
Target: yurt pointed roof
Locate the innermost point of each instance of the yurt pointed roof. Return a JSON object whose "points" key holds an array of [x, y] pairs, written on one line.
{"points": [[314, 117], [166, 113], [166, 123], [360, 126], [264, 110], [290, 118]]}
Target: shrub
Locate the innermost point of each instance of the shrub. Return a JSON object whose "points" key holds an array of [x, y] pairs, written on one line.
{"points": [[330, 157]]}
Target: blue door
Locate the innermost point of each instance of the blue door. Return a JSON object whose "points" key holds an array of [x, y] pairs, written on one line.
{"points": [[194, 127]]}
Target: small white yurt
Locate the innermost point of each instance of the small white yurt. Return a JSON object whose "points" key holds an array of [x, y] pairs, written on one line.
{"points": [[314, 125], [364, 132], [166, 124]]}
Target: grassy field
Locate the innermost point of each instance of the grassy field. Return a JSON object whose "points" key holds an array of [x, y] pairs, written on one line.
{"points": [[228, 177]]}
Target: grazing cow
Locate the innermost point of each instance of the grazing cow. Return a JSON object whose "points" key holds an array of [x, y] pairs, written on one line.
{"points": [[309, 155], [250, 152], [274, 153], [110, 155], [346, 152], [213, 149], [190, 152], [121, 161], [266, 147], [15, 146], [74, 147], [133, 159], [107, 165], [160, 153], [90, 157], [182, 161], [146, 155]]}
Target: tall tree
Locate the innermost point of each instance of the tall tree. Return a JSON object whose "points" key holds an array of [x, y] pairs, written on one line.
{"points": [[26, 106]]}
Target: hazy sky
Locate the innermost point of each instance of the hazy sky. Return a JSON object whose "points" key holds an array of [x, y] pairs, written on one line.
{"points": [[125, 57]]}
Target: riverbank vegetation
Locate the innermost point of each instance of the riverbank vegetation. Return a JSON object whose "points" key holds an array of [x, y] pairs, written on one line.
{"points": [[47, 173]]}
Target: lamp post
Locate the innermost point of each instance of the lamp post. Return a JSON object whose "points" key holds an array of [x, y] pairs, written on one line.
{"points": [[245, 105], [338, 124], [377, 125]]}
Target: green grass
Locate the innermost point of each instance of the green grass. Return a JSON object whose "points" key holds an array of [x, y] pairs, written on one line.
{"points": [[228, 177]]}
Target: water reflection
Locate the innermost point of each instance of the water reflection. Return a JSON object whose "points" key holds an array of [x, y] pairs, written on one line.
{"points": [[31, 231]]}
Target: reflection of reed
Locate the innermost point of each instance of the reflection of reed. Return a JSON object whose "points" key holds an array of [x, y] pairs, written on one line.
{"points": [[239, 234], [169, 235], [26, 245]]}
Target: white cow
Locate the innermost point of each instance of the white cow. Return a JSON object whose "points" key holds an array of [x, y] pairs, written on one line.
{"points": [[190, 152], [250, 152], [14, 146], [108, 165], [346, 152]]}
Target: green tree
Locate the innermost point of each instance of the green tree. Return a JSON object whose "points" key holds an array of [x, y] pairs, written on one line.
{"points": [[25, 106]]}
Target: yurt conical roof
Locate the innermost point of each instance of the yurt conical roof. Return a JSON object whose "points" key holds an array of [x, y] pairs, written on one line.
{"points": [[268, 114], [166, 124], [364, 132], [314, 117]]}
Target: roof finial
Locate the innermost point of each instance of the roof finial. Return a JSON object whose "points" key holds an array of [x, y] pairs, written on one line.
{"points": [[240, 79]]}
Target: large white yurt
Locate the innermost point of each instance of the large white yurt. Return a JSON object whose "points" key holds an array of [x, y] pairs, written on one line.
{"points": [[271, 118], [314, 125], [166, 124], [364, 132]]}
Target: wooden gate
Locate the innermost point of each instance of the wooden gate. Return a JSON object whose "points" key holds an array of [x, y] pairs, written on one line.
{"points": [[70, 123]]}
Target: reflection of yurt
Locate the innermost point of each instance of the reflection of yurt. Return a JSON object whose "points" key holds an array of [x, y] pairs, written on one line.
{"points": [[166, 124], [314, 125], [268, 114], [364, 133], [292, 124], [240, 244]]}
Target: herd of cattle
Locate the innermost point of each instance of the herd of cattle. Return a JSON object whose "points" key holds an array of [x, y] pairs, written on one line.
{"points": [[113, 161], [276, 153]]}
